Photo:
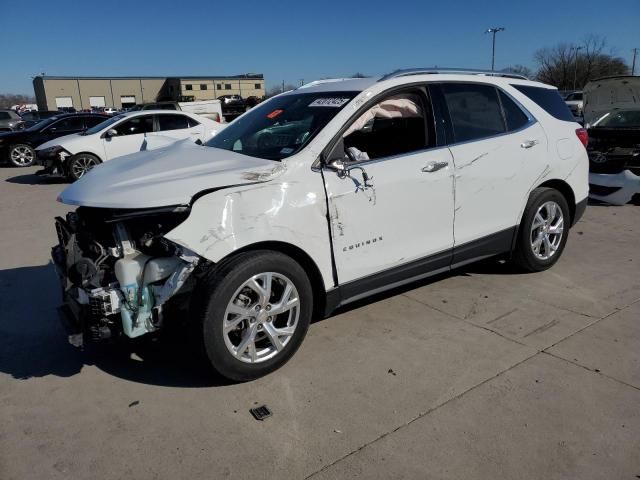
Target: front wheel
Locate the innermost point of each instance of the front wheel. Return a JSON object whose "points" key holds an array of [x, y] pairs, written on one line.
{"points": [[80, 165], [542, 234], [252, 313], [22, 155]]}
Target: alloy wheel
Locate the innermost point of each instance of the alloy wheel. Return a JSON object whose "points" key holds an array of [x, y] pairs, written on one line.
{"points": [[546, 230], [22, 156], [82, 165], [261, 317]]}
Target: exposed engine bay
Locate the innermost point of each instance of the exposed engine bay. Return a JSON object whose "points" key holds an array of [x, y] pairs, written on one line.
{"points": [[118, 271]]}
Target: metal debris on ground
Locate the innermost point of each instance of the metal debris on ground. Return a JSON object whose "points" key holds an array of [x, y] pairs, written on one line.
{"points": [[261, 412]]}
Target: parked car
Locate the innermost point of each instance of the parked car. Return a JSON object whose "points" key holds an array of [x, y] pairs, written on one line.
{"points": [[34, 116], [614, 150], [612, 116], [19, 146], [9, 120], [232, 106], [210, 109], [575, 104], [75, 155], [314, 199]]}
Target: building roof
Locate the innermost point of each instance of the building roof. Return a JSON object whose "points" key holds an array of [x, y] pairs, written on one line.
{"points": [[252, 76]]}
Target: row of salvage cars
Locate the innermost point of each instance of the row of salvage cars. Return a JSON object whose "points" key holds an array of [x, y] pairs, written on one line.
{"points": [[71, 144], [612, 118]]}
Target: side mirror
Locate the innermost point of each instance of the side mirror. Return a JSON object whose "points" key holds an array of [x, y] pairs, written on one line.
{"points": [[335, 159], [112, 132]]}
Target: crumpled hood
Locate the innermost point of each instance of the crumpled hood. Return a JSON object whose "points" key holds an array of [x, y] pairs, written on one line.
{"points": [[166, 176], [607, 94]]}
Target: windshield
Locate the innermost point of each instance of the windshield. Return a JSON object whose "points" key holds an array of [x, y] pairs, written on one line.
{"points": [[103, 125], [621, 119], [282, 126]]}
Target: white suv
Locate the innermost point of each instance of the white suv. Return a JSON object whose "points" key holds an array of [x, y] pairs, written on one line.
{"points": [[76, 154], [315, 198]]}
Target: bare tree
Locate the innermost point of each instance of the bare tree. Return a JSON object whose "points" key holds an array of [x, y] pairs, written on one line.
{"points": [[567, 63], [8, 100]]}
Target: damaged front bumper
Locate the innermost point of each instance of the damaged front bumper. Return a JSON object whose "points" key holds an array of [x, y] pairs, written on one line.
{"points": [[118, 290], [614, 188]]}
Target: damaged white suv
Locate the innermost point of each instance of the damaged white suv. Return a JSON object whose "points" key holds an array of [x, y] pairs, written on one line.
{"points": [[318, 197]]}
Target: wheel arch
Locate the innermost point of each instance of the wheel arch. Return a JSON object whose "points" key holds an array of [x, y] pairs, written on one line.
{"points": [[567, 192], [303, 258], [557, 184]]}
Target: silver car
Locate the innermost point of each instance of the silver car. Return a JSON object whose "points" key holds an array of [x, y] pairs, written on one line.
{"points": [[9, 121]]}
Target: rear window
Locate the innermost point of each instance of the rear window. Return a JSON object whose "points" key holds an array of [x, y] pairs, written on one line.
{"points": [[548, 99]]}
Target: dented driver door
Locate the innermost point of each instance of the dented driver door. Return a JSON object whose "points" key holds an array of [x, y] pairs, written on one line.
{"points": [[399, 221]]}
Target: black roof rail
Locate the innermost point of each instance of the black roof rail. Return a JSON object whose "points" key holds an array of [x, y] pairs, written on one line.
{"points": [[454, 71]]}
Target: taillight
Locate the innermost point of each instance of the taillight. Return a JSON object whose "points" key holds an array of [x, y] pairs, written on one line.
{"points": [[583, 136]]}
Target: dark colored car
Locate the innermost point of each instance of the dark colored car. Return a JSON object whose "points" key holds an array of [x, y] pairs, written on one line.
{"points": [[614, 142], [19, 147], [9, 120], [31, 118]]}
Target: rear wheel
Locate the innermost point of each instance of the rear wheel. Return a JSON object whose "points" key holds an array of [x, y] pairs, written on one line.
{"points": [[80, 165], [543, 231], [22, 155], [252, 314]]}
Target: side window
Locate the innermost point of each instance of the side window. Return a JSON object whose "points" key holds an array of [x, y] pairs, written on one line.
{"points": [[513, 114], [93, 121], [67, 125], [393, 126], [192, 122], [4, 116], [172, 122], [474, 110], [135, 125], [549, 99]]}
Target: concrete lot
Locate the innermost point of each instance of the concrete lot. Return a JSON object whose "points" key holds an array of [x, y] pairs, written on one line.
{"points": [[483, 374]]}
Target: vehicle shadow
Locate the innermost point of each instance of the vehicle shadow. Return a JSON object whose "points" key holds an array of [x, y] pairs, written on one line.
{"points": [[34, 344], [33, 179]]}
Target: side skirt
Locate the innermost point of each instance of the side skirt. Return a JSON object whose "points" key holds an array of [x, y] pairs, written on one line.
{"points": [[420, 269]]}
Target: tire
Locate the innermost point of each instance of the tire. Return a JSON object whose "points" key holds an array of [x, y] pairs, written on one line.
{"points": [[22, 155], [539, 245], [224, 299], [80, 164]]}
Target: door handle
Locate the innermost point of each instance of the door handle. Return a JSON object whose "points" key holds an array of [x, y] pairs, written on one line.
{"points": [[529, 143], [434, 166]]}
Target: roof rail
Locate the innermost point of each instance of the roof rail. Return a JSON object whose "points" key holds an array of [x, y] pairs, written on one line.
{"points": [[456, 71], [319, 82]]}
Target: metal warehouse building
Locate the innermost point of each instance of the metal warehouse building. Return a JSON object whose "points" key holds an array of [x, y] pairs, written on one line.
{"points": [[53, 92]]}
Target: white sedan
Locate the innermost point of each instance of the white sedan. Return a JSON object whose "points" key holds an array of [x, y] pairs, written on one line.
{"points": [[74, 155]]}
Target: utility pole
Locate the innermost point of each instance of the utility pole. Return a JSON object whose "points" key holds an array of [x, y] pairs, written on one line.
{"points": [[575, 70], [282, 86], [493, 31], [633, 65]]}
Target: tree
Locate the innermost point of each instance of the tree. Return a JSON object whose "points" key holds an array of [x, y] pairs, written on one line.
{"points": [[558, 66], [8, 100]]}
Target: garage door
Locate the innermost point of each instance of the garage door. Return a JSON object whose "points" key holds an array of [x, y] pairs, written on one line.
{"points": [[64, 102], [96, 101], [128, 100]]}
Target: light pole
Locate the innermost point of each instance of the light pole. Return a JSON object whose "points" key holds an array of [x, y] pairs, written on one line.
{"points": [[633, 65], [575, 70], [493, 31]]}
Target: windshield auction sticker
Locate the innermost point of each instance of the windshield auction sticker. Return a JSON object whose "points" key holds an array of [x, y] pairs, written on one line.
{"points": [[329, 102]]}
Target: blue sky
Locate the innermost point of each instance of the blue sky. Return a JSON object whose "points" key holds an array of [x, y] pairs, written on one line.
{"points": [[289, 40]]}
